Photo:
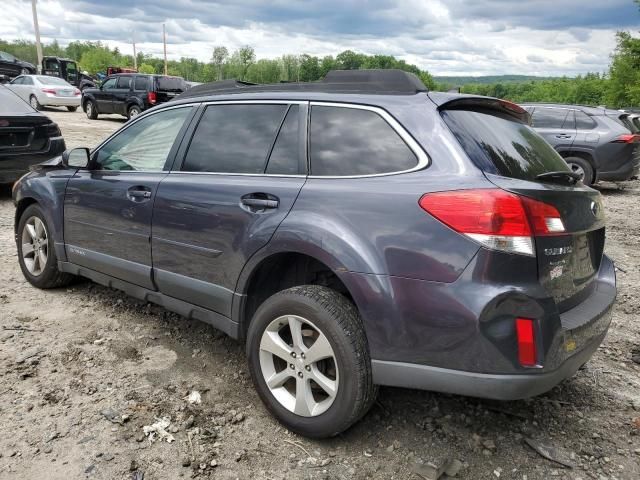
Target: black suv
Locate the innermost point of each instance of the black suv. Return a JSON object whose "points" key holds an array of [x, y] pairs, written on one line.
{"points": [[129, 94], [354, 232], [27, 137], [12, 67]]}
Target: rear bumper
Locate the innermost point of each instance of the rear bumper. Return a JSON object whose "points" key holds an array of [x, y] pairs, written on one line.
{"points": [[625, 172], [60, 101], [471, 384], [13, 166], [575, 337]]}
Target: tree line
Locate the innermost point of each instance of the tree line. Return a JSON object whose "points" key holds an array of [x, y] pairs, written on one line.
{"points": [[618, 87]]}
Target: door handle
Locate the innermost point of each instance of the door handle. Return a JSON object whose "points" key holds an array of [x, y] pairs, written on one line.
{"points": [[138, 194], [563, 135], [256, 202]]}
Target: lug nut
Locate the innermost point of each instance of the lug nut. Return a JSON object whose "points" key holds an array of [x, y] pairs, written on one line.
{"points": [[292, 366], [293, 354], [307, 368], [300, 374], [302, 355]]}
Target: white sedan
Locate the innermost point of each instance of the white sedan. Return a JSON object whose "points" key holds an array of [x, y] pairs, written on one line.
{"points": [[43, 91]]}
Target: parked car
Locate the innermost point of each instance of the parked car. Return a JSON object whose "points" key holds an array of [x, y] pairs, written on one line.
{"points": [[42, 91], [12, 67], [27, 137], [596, 142], [67, 69], [130, 94], [353, 232]]}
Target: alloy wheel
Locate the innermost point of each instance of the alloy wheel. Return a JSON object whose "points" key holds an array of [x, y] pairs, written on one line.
{"points": [[34, 103], [577, 169], [299, 365], [35, 246], [89, 109]]}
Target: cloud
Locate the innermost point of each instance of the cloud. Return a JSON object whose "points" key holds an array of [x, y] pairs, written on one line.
{"points": [[471, 37]]}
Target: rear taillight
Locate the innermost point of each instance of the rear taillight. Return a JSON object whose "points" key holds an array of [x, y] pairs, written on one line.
{"points": [[525, 332], [49, 90], [627, 138], [77, 92], [152, 97], [494, 218], [52, 130]]}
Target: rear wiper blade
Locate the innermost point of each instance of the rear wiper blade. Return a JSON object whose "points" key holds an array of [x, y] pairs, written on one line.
{"points": [[572, 177]]}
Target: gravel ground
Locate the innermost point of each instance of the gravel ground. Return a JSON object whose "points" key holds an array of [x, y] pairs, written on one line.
{"points": [[83, 369]]}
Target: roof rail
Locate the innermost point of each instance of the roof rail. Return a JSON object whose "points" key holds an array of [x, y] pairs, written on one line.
{"points": [[385, 82]]}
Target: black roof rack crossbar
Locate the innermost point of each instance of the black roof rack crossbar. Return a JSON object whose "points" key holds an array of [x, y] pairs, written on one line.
{"points": [[387, 82]]}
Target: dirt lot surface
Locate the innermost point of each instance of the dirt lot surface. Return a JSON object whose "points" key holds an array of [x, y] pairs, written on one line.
{"points": [[84, 369]]}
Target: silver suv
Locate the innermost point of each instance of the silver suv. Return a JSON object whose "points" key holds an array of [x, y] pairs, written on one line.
{"points": [[597, 143]]}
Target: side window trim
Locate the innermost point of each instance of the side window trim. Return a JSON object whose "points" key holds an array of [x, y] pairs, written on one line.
{"points": [[423, 159], [172, 152], [275, 138], [176, 168]]}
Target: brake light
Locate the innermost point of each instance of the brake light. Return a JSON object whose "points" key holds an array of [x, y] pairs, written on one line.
{"points": [[49, 90], [494, 218], [152, 98], [52, 130], [627, 138], [77, 92], [525, 332]]}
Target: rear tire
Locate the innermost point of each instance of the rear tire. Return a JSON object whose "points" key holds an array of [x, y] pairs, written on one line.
{"points": [[582, 167], [133, 111], [327, 322], [35, 104], [36, 252], [72, 109], [91, 110]]}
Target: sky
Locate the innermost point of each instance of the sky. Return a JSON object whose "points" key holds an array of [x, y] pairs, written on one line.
{"points": [[445, 37]]}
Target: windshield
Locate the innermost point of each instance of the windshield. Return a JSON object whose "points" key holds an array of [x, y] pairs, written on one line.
{"points": [[500, 145], [52, 80]]}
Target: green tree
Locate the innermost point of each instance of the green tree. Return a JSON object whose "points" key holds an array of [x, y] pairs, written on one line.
{"points": [[146, 68], [219, 57], [97, 60]]}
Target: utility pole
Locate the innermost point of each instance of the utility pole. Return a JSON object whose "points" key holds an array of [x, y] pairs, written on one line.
{"points": [[164, 41], [135, 57], [37, 29]]}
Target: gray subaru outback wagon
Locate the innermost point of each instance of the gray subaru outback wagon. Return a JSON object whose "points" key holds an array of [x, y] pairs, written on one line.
{"points": [[354, 232]]}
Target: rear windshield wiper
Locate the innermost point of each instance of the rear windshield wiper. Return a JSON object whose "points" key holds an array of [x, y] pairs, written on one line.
{"points": [[570, 177]]}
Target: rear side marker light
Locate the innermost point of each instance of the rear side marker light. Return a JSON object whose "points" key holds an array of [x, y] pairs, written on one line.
{"points": [[525, 332], [495, 218]]}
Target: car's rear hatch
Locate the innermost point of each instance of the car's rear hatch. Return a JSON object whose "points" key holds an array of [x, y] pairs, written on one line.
{"points": [[167, 88], [496, 136]]}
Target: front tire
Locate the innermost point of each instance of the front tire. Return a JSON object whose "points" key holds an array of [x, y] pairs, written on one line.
{"points": [[36, 252], [91, 110], [309, 360], [583, 168], [35, 104]]}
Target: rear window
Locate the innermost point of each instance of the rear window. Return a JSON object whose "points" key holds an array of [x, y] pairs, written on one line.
{"points": [[11, 104], [51, 80], [171, 84], [141, 83], [124, 82], [584, 121], [502, 146]]}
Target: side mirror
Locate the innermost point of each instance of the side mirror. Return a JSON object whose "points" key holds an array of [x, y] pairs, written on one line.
{"points": [[76, 158]]}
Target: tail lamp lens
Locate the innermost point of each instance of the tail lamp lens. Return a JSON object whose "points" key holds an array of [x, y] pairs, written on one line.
{"points": [[151, 96], [495, 218], [525, 333]]}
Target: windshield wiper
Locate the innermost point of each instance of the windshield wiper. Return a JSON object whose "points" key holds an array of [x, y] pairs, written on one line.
{"points": [[571, 177]]}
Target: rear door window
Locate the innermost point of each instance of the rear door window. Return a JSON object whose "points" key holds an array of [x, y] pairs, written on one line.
{"points": [[141, 83], [545, 117], [498, 144], [346, 141], [234, 138], [124, 83], [584, 121], [285, 156]]}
